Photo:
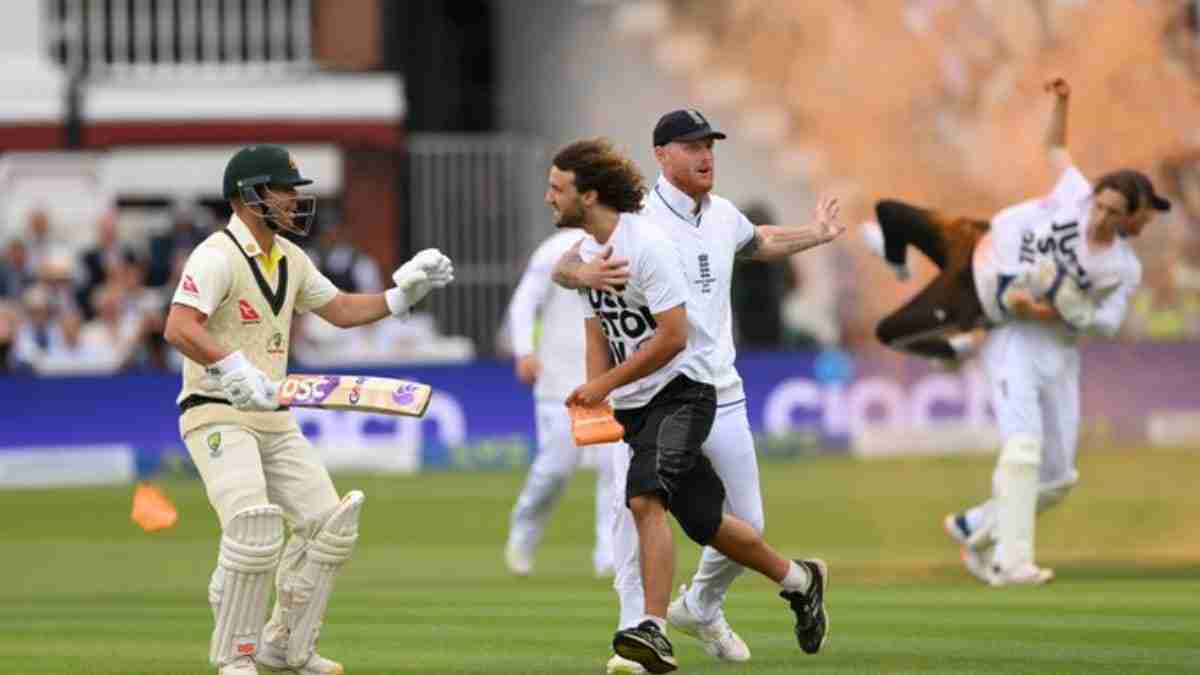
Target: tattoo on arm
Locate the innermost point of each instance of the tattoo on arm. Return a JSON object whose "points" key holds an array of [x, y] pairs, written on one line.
{"points": [[564, 271], [750, 248]]}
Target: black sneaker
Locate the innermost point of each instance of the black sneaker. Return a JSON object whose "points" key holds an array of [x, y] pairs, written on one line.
{"points": [[648, 646], [812, 624]]}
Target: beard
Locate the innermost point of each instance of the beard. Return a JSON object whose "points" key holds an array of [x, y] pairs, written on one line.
{"points": [[571, 217]]}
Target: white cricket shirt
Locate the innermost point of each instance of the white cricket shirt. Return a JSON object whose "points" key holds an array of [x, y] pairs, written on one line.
{"points": [[561, 347], [1057, 225], [708, 241], [656, 284]]}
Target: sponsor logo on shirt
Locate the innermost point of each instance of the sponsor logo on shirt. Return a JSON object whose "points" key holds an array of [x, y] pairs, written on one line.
{"points": [[249, 314], [189, 285]]}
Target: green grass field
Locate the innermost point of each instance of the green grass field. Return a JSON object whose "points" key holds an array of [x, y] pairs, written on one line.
{"points": [[84, 591]]}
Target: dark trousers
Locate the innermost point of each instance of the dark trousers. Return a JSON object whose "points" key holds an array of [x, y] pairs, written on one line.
{"points": [[949, 303]]}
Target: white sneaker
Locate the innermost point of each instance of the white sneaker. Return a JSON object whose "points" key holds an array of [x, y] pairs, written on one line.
{"points": [[519, 560], [619, 665], [242, 665], [1025, 575], [720, 642], [274, 658]]}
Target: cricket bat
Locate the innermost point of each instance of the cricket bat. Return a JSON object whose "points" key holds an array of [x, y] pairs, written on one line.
{"points": [[383, 395]]}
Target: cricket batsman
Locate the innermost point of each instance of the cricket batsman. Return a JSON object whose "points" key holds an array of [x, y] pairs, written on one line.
{"points": [[231, 318]]}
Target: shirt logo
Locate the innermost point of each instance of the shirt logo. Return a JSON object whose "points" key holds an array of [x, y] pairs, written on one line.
{"points": [[706, 279], [189, 285], [249, 314], [214, 444], [275, 344]]}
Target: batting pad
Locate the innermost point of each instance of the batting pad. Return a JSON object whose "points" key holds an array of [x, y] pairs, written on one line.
{"points": [[241, 584], [1016, 486], [305, 596]]}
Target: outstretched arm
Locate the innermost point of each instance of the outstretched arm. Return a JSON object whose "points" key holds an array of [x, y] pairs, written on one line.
{"points": [[773, 242], [1056, 133]]}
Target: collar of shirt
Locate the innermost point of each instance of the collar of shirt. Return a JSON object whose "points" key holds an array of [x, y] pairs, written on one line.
{"points": [[241, 233], [680, 203]]}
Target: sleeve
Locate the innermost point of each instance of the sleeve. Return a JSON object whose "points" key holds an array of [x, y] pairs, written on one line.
{"points": [[316, 290], [744, 231], [1072, 187], [662, 276], [1113, 305], [531, 293], [205, 280]]}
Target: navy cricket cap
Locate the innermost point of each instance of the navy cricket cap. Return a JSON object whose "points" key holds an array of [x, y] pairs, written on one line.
{"points": [[683, 125]]}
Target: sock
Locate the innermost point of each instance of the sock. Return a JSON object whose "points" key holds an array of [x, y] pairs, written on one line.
{"points": [[797, 579], [657, 620]]}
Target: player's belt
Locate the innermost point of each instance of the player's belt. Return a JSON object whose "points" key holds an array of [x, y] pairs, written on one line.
{"points": [[200, 399]]}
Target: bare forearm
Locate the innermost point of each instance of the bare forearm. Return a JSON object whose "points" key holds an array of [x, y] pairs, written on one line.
{"points": [[775, 242], [194, 341], [599, 360], [347, 310], [1039, 311], [1056, 133], [655, 354]]}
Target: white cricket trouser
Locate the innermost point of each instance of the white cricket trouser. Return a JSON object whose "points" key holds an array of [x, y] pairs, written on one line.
{"points": [[1034, 376], [730, 448], [242, 467], [556, 461]]}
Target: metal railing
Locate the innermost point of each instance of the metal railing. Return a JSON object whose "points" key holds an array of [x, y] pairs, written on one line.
{"points": [[478, 198], [156, 37]]}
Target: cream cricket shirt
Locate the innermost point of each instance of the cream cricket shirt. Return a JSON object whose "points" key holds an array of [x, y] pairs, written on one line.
{"points": [[249, 297]]}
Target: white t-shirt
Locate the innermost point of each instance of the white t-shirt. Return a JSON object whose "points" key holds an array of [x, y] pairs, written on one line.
{"points": [[656, 284], [1057, 226], [561, 346], [708, 242]]}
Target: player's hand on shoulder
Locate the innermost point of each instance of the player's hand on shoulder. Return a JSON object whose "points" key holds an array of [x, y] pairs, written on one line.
{"points": [[604, 272], [246, 387]]}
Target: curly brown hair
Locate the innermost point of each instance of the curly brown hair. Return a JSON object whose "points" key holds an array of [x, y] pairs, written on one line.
{"points": [[598, 166]]}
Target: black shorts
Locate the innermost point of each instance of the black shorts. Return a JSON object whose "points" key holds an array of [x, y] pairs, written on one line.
{"points": [[665, 436]]}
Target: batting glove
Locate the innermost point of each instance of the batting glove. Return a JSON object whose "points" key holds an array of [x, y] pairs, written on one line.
{"points": [[246, 387], [437, 266]]}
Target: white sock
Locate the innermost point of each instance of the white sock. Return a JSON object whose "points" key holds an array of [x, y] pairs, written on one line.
{"points": [[797, 579], [658, 621]]}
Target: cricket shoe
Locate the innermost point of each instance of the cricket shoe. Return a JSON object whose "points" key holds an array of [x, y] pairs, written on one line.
{"points": [[812, 623], [518, 559], [646, 645], [872, 235], [275, 659], [977, 563], [720, 642], [1024, 575], [619, 665], [242, 665]]}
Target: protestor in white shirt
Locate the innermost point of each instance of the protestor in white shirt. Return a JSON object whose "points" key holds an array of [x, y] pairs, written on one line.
{"points": [[553, 364], [634, 266], [709, 232], [1044, 272]]}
